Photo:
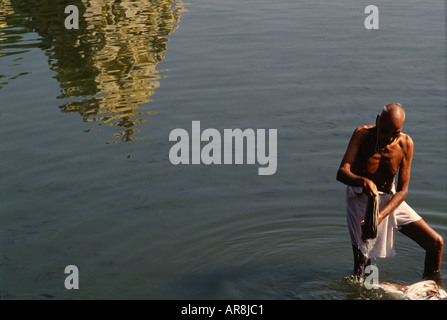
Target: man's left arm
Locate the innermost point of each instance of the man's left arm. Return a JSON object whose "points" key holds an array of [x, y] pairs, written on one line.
{"points": [[403, 180]]}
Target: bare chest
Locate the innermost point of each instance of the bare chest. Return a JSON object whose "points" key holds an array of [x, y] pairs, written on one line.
{"points": [[384, 162]]}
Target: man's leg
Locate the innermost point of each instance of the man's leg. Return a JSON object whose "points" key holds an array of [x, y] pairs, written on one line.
{"points": [[431, 241], [360, 262]]}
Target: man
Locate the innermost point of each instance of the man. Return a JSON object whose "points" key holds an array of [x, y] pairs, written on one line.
{"points": [[374, 155]]}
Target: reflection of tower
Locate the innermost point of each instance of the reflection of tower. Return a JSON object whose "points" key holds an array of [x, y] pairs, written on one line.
{"points": [[5, 10], [110, 61], [131, 43], [12, 42]]}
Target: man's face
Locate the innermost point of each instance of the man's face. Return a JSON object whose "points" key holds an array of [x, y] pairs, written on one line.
{"points": [[389, 129]]}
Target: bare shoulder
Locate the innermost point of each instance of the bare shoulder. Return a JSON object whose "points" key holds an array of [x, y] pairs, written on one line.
{"points": [[362, 132], [406, 142], [365, 128]]}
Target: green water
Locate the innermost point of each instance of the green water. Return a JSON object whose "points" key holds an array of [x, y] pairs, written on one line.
{"points": [[85, 121]]}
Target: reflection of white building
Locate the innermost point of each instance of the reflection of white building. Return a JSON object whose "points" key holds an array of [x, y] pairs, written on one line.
{"points": [[5, 10], [110, 62], [128, 39]]}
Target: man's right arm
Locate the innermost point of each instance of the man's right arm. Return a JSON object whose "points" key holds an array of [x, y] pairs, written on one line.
{"points": [[345, 174]]}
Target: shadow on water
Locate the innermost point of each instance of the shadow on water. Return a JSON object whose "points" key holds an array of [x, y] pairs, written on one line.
{"points": [[267, 282], [109, 62], [271, 282], [282, 281]]}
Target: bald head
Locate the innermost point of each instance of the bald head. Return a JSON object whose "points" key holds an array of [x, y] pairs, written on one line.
{"points": [[389, 124], [394, 112]]}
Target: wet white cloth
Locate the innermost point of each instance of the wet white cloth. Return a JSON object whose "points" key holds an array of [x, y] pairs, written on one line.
{"points": [[383, 245], [423, 290]]}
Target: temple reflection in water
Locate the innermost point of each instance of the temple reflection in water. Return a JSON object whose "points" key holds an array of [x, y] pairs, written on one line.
{"points": [[110, 62]]}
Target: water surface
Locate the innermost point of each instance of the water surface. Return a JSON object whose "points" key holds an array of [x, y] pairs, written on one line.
{"points": [[86, 115]]}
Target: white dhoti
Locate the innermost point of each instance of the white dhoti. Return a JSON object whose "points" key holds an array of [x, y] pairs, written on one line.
{"points": [[383, 245]]}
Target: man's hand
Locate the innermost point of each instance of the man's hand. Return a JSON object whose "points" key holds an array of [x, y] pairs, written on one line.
{"points": [[370, 188]]}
